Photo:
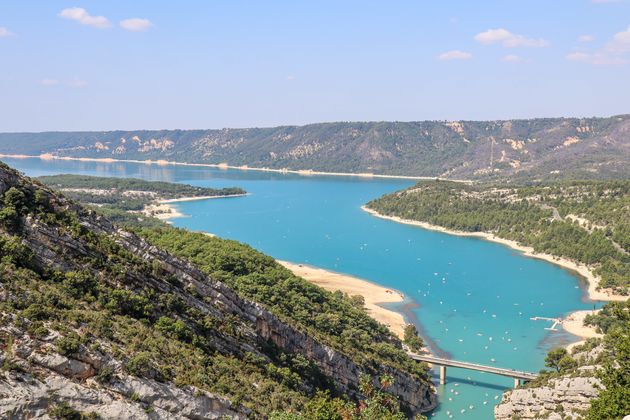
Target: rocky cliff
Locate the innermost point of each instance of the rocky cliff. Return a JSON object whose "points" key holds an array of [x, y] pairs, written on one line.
{"points": [[70, 354], [564, 397]]}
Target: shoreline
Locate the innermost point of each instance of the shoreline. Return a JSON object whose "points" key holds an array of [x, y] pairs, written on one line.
{"points": [[374, 294], [580, 269], [573, 323], [164, 210], [225, 166], [200, 197]]}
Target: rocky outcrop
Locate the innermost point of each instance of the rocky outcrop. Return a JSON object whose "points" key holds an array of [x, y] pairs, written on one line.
{"points": [[562, 398], [42, 378], [25, 396]]}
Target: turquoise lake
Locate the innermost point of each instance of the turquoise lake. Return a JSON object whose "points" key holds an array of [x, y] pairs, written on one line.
{"points": [[471, 299]]}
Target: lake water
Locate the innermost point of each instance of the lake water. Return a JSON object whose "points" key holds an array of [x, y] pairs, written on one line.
{"points": [[472, 299]]}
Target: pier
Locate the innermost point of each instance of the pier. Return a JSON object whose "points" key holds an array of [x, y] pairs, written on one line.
{"points": [[517, 375], [555, 321]]}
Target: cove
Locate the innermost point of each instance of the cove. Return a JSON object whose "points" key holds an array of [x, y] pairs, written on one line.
{"points": [[472, 298]]}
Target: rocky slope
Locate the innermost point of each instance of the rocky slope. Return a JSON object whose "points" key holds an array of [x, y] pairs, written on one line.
{"points": [[95, 319], [563, 398], [547, 148], [566, 396]]}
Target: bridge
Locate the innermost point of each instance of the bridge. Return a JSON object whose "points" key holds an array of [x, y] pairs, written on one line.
{"points": [[518, 375]]}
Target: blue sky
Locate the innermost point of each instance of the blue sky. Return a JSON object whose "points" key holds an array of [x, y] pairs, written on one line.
{"points": [[120, 64]]}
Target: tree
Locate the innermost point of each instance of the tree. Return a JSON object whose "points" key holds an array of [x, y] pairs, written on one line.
{"points": [[322, 407], [554, 358], [411, 338]]}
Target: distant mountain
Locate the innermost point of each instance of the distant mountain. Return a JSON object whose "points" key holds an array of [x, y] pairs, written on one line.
{"points": [[549, 148]]}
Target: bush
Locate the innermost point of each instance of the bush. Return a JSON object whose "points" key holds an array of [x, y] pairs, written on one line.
{"points": [[37, 312], [141, 365], [69, 344], [174, 328], [105, 375], [126, 302], [64, 411]]}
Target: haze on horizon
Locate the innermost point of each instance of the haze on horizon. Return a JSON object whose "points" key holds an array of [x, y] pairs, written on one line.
{"points": [[90, 65]]}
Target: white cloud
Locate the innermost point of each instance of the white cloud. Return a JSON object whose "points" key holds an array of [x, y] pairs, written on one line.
{"points": [[598, 58], [83, 17], [512, 58], [4, 32], [49, 82], [586, 38], [578, 56], [615, 52], [508, 39], [620, 43], [136, 24], [455, 55], [77, 83], [290, 77]]}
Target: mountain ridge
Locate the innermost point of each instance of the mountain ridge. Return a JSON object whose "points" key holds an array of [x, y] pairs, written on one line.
{"points": [[543, 148]]}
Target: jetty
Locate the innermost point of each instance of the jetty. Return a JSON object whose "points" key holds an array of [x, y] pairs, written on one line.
{"points": [[518, 375], [555, 321]]}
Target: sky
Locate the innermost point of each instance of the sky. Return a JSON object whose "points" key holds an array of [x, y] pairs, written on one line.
{"points": [[153, 64]]}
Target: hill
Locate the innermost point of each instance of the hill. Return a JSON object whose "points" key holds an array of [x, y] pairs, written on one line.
{"points": [[544, 148], [98, 321]]}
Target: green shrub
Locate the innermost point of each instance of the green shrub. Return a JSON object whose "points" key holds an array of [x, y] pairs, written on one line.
{"points": [[140, 365], [126, 302], [174, 328], [105, 375], [68, 345]]}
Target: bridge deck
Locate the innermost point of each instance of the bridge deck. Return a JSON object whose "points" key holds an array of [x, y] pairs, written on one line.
{"points": [[518, 374]]}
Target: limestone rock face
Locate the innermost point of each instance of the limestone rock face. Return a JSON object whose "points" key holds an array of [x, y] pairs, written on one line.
{"points": [[23, 396], [562, 398]]}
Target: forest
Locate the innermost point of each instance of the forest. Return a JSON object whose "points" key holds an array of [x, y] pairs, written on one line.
{"points": [[127, 193]]}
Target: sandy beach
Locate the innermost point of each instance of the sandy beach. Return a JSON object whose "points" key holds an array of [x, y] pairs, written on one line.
{"points": [[301, 172], [582, 270], [164, 210], [200, 197], [574, 324], [373, 293], [161, 211]]}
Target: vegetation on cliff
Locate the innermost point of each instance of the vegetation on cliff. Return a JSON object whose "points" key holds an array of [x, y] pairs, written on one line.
{"points": [[332, 317], [614, 400], [75, 285], [610, 359]]}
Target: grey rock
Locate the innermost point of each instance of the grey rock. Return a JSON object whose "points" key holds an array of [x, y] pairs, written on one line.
{"points": [[565, 395]]}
